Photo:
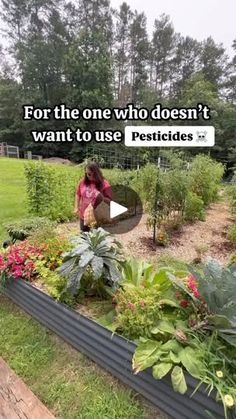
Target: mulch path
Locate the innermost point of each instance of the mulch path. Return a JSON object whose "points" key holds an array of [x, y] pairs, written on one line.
{"points": [[209, 235]]}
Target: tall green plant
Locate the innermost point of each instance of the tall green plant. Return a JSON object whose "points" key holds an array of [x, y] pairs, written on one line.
{"points": [[95, 253], [51, 190], [205, 177]]}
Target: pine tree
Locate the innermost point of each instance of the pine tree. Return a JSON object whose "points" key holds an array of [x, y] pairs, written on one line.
{"points": [[139, 50], [163, 44]]}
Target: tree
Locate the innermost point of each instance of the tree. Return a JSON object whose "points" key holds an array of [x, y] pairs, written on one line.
{"points": [[223, 116], [185, 62], [88, 65], [213, 62], [121, 54], [230, 84], [162, 49], [139, 48]]}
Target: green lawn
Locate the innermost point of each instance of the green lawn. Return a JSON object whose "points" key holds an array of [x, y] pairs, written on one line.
{"points": [[72, 386], [13, 203]]}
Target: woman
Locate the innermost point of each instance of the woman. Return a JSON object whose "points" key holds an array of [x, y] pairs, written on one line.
{"points": [[92, 189]]}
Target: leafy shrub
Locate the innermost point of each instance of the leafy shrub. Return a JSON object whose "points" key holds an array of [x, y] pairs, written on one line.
{"points": [[138, 310], [53, 250], [231, 234], [52, 246], [21, 230], [194, 208], [51, 190], [55, 284], [205, 177], [95, 252], [231, 192], [135, 272]]}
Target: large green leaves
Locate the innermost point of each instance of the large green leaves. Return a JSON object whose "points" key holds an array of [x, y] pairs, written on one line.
{"points": [[160, 370], [218, 288], [97, 266], [146, 354], [135, 272], [178, 380], [95, 251], [191, 362], [163, 326]]}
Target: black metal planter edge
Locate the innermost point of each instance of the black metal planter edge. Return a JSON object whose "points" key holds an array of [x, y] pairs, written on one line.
{"points": [[113, 353]]}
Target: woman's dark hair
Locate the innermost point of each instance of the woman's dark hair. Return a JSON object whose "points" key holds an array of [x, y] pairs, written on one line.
{"points": [[97, 174]]}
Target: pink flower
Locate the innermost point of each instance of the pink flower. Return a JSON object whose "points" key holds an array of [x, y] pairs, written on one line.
{"points": [[196, 293], [130, 305], [142, 303], [191, 282]]}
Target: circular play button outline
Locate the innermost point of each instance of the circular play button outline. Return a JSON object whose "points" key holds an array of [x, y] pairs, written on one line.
{"points": [[126, 209]]}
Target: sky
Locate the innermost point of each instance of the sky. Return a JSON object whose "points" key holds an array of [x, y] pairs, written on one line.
{"points": [[198, 19]]}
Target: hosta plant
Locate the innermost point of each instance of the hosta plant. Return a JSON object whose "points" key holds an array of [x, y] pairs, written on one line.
{"points": [[94, 252]]}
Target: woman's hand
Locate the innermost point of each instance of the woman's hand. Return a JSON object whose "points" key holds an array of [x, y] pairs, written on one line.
{"points": [[76, 211], [98, 200]]}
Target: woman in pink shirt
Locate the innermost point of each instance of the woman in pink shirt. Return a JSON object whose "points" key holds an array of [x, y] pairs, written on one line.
{"points": [[92, 189]]}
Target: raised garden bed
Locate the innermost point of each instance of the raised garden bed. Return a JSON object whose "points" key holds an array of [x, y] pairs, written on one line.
{"points": [[112, 352]]}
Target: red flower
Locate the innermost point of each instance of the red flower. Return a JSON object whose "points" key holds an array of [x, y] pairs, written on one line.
{"points": [[184, 303], [196, 293], [130, 305]]}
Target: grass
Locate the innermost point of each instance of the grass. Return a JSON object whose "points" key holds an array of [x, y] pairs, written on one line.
{"points": [[12, 192], [13, 198], [67, 382]]}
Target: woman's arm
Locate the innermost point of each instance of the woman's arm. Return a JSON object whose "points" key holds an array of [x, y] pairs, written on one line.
{"points": [[77, 201], [107, 193]]}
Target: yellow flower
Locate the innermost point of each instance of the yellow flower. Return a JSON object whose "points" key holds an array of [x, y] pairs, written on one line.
{"points": [[229, 401], [219, 374]]}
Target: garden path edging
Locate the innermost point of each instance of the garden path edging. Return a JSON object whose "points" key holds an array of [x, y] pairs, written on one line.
{"points": [[113, 353]]}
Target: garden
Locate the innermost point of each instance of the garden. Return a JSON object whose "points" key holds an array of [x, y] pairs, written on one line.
{"points": [[152, 321]]}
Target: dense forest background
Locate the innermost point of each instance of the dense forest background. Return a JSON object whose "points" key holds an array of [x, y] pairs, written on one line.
{"points": [[90, 55]]}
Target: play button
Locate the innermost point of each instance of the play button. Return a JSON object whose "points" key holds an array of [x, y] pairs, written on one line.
{"points": [[116, 209], [124, 211]]}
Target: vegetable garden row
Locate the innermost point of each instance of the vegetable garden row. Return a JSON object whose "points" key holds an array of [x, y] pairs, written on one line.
{"points": [[174, 323]]}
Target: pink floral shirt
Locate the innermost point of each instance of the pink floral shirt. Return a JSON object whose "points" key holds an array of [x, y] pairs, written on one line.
{"points": [[88, 193]]}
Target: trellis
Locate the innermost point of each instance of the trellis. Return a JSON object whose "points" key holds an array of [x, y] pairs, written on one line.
{"points": [[119, 158]]}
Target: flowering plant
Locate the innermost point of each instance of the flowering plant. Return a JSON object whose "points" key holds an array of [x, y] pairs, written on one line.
{"points": [[18, 261], [162, 238]]}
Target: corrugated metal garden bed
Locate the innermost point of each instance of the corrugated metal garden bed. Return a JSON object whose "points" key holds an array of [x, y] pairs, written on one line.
{"points": [[112, 352]]}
